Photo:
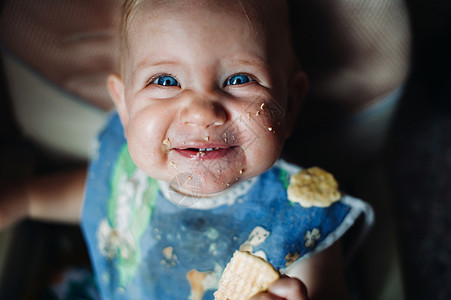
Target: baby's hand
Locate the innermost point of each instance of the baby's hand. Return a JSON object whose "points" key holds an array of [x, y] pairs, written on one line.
{"points": [[13, 205], [287, 288]]}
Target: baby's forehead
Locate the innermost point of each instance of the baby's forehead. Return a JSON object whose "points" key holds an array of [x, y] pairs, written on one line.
{"points": [[267, 19], [262, 12]]}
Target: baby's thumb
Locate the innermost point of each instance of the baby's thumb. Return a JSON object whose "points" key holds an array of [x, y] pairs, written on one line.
{"points": [[289, 288]]}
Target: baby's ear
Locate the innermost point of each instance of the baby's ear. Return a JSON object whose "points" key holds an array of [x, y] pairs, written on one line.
{"points": [[297, 89], [116, 91]]}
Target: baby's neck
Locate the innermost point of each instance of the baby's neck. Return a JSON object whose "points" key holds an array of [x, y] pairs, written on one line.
{"points": [[206, 201]]}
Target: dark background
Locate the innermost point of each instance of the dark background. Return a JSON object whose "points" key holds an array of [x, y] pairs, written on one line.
{"points": [[418, 155], [419, 152]]}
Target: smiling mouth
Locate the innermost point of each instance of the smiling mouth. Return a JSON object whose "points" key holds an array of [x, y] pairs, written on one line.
{"points": [[205, 153], [202, 149]]}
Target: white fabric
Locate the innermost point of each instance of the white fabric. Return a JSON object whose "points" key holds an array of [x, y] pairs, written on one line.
{"points": [[54, 119]]}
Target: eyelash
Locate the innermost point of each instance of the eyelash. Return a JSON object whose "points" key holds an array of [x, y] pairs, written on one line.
{"points": [[251, 79], [156, 77]]}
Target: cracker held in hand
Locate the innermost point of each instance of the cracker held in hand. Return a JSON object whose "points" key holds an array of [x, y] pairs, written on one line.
{"points": [[313, 187], [245, 276]]}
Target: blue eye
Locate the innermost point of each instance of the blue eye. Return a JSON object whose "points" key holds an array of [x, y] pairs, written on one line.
{"points": [[166, 80], [238, 79]]}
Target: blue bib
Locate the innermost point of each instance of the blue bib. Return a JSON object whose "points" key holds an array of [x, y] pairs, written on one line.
{"points": [[143, 245]]}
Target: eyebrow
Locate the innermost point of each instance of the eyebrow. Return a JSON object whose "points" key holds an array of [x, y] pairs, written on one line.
{"points": [[145, 64], [259, 63], [253, 61]]}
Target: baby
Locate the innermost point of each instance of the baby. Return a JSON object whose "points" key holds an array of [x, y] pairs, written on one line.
{"points": [[188, 171]]}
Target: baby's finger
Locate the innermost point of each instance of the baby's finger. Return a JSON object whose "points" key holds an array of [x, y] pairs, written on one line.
{"points": [[289, 288], [266, 296]]}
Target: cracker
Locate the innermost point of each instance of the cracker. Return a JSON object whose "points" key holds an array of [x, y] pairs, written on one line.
{"points": [[313, 187], [245, 276]]}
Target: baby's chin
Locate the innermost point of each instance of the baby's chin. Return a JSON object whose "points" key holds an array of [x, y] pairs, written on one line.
{"points": [[200, 186], [202, 192]]}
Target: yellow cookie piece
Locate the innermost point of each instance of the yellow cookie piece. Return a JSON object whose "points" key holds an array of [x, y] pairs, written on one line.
{"points": [[245, 276], [313, 187]]}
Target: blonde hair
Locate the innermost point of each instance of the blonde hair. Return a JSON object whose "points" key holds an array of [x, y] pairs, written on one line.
{"points": [[129, 9]]}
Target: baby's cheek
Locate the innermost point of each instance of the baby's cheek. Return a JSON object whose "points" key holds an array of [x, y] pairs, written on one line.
{"points": [[268, 149], [274, 130], [271, 116], [269, 125], [145, 156]]}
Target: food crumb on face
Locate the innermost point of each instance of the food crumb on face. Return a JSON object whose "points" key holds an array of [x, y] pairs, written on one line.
{"points": [[270, 128], [172, 164], [207, 138], [167, 142], [257, 113], [262, 106], [248, 115], [241, 171]]}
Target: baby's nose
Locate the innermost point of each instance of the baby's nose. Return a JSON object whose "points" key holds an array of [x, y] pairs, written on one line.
{"points": [[203, 113]]}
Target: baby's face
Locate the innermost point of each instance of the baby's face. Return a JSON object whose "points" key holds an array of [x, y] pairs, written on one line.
{"points": [[205, 93]]}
